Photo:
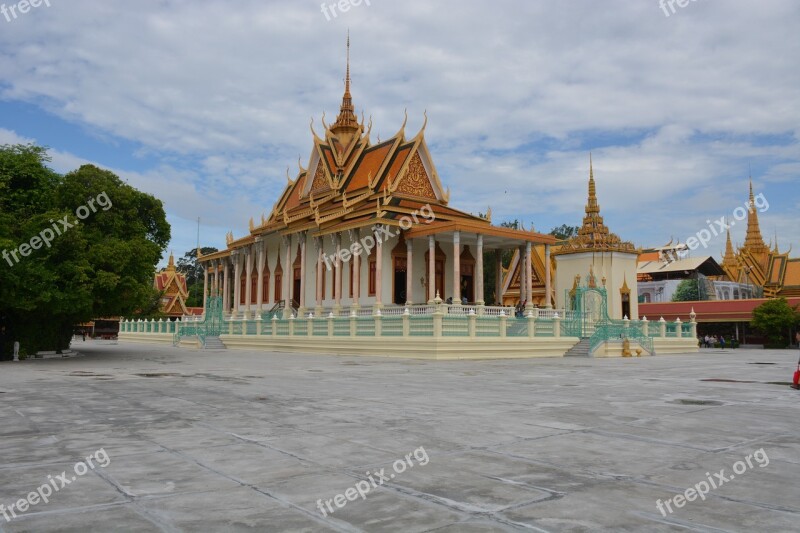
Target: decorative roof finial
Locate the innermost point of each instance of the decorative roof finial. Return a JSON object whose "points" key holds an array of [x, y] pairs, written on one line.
{"points": [[346, 122]]}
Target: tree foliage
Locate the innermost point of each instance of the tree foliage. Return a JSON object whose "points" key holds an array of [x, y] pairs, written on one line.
{"points": [[100, 265], [564, 231], [775, 319], [189, 267], [686, 291]]}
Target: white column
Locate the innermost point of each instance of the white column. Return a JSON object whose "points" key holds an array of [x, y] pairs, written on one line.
{"points": [[379, 272], [457, 267], [431, 268], [261, 258], [479, 297], [248, 286], [409, 271], [320, 272], [356, 235], [528, 276], [498, 274], [547, 275], [337, 277], [215, 278], [288, 278], [237, 281], [205, 285], [302, 272], [226, 294]]}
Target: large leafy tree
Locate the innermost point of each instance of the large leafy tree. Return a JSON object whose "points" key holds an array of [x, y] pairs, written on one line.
{"points": [[106, 240], [775, 319]]}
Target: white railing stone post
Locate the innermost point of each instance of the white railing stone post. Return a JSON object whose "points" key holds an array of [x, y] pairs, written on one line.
{"points": [[503, 322], [645, 327], [330, 325], [662, 325], [556, 325], [259, 322], [532, 323], [274, 322], [378, 323], [406, 323], [678, 328], [353, 324], [471, 324]]}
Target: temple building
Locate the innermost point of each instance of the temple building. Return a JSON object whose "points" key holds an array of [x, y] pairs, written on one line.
{"points": [[362, 254], [758, 264], [595, 256], [364, 224], [174, 293]]}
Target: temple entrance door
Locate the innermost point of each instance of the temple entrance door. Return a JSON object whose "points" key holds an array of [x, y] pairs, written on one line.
{"points": [[400, 287], [467, 288], [467, 264], [297, 279], [400, 268], [594, 309], [298, 285], [626, 306]]}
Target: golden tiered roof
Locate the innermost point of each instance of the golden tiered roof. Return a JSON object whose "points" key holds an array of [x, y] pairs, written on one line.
{"points": [[351, 183], [594, 235]]}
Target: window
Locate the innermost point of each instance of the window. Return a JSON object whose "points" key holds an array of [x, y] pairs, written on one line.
{"points": [[278, 283], [242, 288], [265, 286]]}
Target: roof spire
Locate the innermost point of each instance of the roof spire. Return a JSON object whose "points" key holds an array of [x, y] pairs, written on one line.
{"points": [[753, 242], [593, 235], [347, 77], [591, 204], [729, 259], [346, 122]]}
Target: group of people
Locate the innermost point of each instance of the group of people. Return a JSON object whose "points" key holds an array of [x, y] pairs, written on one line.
{"points": [[710, 341], [519, 309]]}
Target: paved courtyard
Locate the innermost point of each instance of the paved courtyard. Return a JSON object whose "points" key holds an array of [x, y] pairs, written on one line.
{"points": [[247, 441]]}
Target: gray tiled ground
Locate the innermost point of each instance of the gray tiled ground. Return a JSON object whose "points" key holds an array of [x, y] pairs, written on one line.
{"points": [[241, 441]]}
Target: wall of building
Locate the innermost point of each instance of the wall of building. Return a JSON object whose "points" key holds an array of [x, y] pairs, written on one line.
{"points": [[618, 269]]}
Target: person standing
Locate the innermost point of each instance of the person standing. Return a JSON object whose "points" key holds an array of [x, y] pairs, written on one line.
{"points": [[722, 341]]}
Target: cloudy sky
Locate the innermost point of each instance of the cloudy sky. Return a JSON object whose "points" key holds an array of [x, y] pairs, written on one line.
{"points": [[206, 103]]}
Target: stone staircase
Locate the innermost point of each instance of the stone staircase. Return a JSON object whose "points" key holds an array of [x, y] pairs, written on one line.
{"points": [[213, 343], [579, 350]]}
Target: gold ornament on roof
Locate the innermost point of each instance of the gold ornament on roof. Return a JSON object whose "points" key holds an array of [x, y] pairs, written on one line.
{"points": [[594, 235]]}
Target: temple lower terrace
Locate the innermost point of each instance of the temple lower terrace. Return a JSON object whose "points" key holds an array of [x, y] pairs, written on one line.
{"points": [[248, 442]]}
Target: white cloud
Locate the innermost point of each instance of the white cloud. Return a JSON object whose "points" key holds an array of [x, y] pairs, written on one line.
{"points": [[517, 93]]}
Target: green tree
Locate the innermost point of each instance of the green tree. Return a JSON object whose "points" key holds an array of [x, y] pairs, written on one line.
{"points": [[564, 231], [686, 291], [106, 240], [189, 267], [775, 319]]}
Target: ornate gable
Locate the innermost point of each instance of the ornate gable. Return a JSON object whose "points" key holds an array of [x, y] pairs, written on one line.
{"points": [[415, 181]]}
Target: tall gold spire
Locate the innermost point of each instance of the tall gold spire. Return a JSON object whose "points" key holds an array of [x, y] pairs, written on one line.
{"points": [[593, 235], [592, 207], [753, 242], [346, 122], [729, 260]]}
